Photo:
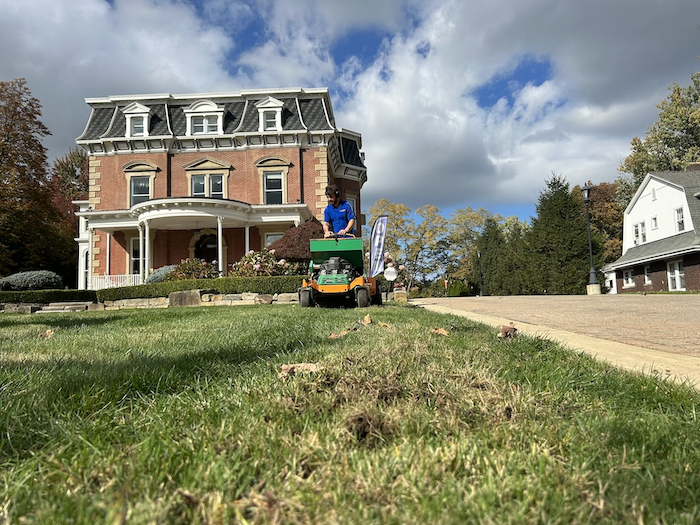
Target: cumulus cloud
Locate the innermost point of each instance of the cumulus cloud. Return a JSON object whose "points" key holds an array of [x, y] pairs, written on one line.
{"points": [[568, 83]]}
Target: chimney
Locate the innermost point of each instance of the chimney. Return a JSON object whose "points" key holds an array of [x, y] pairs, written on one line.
{"points": [[693, 166]]}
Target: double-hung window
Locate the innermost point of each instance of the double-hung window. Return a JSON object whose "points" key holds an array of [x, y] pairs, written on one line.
{"points": [[676, 276], [137, 126], [208, 185], [270, 119], [627, 278], [140, 189], [640, 233], [273, 187], [207, 124], [680, 222]]}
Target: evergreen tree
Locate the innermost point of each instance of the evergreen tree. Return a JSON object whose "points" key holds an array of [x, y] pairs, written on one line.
{"points": [[491, 244], [557, 242]]}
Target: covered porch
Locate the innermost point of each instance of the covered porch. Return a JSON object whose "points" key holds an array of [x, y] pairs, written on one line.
{"points": [[165, 231]]}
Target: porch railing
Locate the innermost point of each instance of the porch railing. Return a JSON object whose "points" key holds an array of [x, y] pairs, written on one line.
{"points": [[100, 282]]}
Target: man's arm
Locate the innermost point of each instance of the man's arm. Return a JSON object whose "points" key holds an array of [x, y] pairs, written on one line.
{"points": [[349, 227], [326, 229]]}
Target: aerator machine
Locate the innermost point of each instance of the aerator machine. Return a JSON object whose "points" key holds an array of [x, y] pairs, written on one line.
{"points": [[337, 275]]}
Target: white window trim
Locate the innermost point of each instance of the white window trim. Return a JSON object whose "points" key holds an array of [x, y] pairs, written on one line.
{"points": [[625, 284], [139, 169], [266, 106], [207, 181], [136, 110], [654, 223], [134, 243], [677, 275], [270, 234], [639, 233], [273, 165], [647, 274], [206, 109], [680, 215], [276, 174]]}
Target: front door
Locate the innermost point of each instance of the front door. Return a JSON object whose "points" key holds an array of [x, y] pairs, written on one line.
{"points": [[206, 248]]}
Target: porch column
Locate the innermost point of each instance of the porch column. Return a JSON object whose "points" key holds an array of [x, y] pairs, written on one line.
{"points": [[220, 243], [147, 250], [141, 253], [91, 240], [247, 238], [108, 262]]}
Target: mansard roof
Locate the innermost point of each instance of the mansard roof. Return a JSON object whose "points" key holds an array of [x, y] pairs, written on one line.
{"points": [[302, 111]]}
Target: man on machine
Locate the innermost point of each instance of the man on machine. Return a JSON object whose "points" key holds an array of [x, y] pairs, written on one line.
{"points": [[338, 217]]}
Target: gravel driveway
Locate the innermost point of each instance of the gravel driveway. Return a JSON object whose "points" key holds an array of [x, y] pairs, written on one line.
{"points": [[614, 327]]}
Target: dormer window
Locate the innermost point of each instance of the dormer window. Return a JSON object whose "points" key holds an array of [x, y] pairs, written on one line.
{"points": [[270, 114], [204, 118], [137, 127], [138, 118], [270, 121]]}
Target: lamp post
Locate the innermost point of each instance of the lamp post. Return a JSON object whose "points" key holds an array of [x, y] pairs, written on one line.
{"points": [[593, 287], [481, 277]]}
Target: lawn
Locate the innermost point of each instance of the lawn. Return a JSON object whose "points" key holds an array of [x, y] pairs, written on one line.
{"points": [[185, 416]]}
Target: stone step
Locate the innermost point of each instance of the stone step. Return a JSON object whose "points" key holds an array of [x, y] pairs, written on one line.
{"points": [[77, 306]]}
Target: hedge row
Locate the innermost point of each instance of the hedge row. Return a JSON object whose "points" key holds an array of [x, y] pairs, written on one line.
{"points": [[267, 285], [48, 296]]}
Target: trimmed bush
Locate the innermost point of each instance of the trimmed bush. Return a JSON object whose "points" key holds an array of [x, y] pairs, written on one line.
{"points": [[48, 296], [267, 285], [160, 275], [193, 269], [265, 264], [35, 280]]}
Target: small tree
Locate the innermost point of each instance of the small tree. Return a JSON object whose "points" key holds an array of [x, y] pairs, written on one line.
{"points": [[294, 244]]}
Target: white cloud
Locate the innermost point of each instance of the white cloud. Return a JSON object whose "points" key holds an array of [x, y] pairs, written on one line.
{"points": [[425, 137]]}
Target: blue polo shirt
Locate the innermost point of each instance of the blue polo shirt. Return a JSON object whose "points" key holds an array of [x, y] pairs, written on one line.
{"points": [[338, 218]]}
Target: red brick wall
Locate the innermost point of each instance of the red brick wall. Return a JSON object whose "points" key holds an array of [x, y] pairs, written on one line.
{"points": [[659, 276], [109, 189]]}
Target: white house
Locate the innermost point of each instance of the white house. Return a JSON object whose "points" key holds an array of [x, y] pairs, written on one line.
{"points": [[661, 241]]}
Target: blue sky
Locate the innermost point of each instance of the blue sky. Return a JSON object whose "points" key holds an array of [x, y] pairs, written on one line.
{"points": [[460, 104]]}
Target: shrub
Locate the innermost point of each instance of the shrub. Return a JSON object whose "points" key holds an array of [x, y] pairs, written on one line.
{"points": [[264, 264], [159, 275], [457, 289], [36, 280], [270, 285], [48, 296], [294, 244], [193, 269]]}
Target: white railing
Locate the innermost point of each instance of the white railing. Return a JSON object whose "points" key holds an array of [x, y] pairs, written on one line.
{"points": [[100, 282]]}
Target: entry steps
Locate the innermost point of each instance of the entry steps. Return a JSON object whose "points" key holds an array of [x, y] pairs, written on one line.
{"points": [[77, 306]]}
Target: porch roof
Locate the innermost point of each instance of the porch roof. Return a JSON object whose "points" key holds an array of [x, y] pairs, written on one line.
{"points": [[195, 213], [667, 248]]}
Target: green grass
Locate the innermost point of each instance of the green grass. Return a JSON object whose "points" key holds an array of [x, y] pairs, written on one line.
{"points": [[180, 416]]}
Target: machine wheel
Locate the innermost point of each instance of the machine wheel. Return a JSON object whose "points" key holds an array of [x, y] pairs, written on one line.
{"points": [[362, 298], [377, 297], [305, 298]]}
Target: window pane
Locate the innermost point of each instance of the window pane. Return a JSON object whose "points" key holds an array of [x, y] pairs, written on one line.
{"points": [[212, 126], [273, 188], [197, 124], [272, 237], [140, 189], [198, 186], [216, 186], [270, 121], [136, 126]]}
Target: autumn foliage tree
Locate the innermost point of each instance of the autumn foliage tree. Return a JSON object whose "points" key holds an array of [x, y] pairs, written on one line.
{"points": [[673, 140], [30, 237]]}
